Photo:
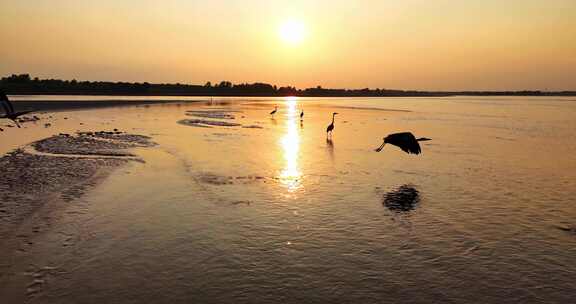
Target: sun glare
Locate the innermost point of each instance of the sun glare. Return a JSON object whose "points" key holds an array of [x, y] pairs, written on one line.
{"points": [[292, 32], [291, 175]]}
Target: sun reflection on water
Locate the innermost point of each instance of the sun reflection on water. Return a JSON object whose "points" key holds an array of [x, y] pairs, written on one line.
{"points": [[290, 176]]}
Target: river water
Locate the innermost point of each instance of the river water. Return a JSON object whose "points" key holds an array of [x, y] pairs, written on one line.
{"points": [[273, 212]]}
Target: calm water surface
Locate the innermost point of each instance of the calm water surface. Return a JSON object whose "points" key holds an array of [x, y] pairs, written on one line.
{"points": [[280, 215]]}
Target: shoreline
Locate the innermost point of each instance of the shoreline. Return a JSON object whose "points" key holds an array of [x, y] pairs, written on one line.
{"points": [[48, 106], [79, 105]]}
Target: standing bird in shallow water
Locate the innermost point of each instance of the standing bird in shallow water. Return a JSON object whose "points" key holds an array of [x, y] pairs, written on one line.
{"points": [[331, 126], [275, 110], [405, 141], [9, 112], [302, 114]]}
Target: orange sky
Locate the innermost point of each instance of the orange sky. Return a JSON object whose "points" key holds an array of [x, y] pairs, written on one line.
{"points": [[406, 44]]}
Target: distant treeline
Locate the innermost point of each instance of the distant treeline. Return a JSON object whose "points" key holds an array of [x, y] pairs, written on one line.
{"points": [[23, 84]]}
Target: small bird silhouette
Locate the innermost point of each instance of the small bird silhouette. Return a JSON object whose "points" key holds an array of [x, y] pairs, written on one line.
{"points": [[275, 110], [330, 128], [302, 114], [405, 141], [9, 112]]}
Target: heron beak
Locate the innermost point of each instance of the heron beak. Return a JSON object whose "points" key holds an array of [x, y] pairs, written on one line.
{"points": [[381, 147]]}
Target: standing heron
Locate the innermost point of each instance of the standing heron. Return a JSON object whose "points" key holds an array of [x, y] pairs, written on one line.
{"points": [[331, 126], [302, 114], [275, 110], [405, 141], [9, 112]]}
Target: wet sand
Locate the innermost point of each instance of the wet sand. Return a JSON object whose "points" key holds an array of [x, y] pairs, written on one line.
{"points": [[56, 169]]}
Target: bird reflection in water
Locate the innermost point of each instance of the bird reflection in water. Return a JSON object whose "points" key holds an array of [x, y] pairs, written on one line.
{"points": [[330, 147], [403, 199]]}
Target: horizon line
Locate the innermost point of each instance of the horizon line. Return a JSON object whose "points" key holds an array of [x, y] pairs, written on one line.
{"points": [[277, 87]]}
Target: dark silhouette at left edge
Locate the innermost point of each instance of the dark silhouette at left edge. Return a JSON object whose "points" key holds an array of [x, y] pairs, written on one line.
{"points": [[9, 112]]}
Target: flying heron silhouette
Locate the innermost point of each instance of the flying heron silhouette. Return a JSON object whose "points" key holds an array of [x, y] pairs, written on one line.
{"points": [[275, 110], [9, 112], [405, 141], [330, 128]]}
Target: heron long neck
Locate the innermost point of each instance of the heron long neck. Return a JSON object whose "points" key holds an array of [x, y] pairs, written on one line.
{"points": [[333, 116], [381, 147]]}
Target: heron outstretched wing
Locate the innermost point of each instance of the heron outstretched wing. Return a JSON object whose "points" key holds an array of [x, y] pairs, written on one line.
{"points": [[23, 112], [405, 141], [6, 105]]}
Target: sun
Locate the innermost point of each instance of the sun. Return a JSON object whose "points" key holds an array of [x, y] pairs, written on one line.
{"points": [[292, 32]]}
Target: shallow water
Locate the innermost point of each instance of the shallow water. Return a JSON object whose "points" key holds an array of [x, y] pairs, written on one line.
{"points": [[280, 214]]}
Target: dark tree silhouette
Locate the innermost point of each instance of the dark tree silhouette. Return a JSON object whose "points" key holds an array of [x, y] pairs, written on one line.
{"points": [[24, 84]]}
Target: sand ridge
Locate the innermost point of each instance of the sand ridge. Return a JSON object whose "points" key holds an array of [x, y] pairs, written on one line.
{"points": [[59, 167]]}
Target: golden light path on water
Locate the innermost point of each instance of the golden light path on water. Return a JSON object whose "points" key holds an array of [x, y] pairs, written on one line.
{"points": [[291, 175]]}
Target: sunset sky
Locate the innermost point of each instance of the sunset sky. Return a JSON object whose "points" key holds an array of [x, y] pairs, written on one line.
{"points": [[404, 44]]}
